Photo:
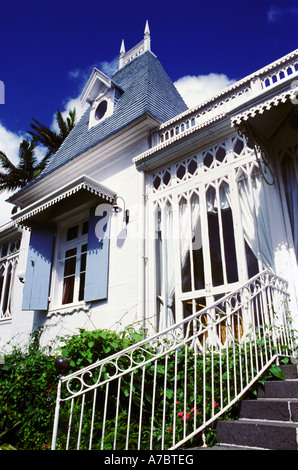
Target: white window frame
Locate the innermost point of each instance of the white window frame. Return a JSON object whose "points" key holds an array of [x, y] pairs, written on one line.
{"points": [[61, 246], [8, 262]]}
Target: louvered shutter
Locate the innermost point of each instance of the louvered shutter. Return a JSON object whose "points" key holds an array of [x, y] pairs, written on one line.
{"points": [[39, 267], [97, 267]]}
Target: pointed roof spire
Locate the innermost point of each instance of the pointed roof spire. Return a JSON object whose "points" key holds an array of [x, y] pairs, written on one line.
{"points": [[147, 30], [122, 52], [147, 39], [122, 48]]}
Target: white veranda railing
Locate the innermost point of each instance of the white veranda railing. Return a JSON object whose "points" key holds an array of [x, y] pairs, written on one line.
{"points": [[166, 389]]}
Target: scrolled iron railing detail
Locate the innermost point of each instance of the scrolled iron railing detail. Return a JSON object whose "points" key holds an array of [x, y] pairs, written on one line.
{"points": [[164, 391]]}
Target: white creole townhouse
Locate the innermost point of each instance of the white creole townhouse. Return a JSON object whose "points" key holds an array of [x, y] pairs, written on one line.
{"points": [[207, 199]]}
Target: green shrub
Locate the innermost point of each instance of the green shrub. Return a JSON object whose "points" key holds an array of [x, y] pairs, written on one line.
{"points": [[28, 383]]}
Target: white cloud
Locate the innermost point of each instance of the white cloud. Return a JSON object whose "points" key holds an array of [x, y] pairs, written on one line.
{"points": [[9, 144], [70, 104], [277, 13], [197, 89], [5, 207], [74, 73], [109, 67]]}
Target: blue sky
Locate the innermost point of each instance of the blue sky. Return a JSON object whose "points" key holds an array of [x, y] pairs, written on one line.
{"points": [[49, 48]]}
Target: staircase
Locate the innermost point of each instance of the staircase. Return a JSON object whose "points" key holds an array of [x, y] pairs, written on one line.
{"points": [[268, 423], [168, 388]]}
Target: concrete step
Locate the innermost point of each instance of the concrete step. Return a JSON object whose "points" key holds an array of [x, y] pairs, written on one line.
{"points": [[273, 435], [270, 409], [279, 389], [290, 371], [269, 422], [228, 447]]}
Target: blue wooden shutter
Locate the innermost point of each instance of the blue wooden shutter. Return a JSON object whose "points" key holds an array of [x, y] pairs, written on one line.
{"points": [[38, 272], [97, 267]]}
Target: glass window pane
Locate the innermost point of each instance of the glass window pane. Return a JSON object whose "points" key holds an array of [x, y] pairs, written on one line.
{"points": [[214, 237], [69, 267], [82, 286], [215, 252], [68, 289], [85, 227], [229, 243], [72, 233], [70, 253], [83, 262]]}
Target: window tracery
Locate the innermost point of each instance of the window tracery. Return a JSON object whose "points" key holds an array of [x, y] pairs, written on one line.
{"points": [[8, 264], [203, 247]]}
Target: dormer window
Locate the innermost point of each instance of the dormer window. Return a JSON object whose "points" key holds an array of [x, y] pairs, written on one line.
{"points": [[101, 110], [102, 107], [100, 93]]}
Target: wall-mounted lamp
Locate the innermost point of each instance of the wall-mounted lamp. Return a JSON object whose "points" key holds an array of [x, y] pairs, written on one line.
{"points": [[21, 276], [118, 209]]}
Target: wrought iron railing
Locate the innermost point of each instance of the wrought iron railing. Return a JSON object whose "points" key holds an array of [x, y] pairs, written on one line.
{"points": [[164, 391]]}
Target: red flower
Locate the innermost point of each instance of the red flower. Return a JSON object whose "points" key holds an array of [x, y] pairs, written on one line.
{"points": [[186, 417]]}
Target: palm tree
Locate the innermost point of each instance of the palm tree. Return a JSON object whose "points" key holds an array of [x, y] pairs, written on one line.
{"points": [[49, 138], [28, 168]]}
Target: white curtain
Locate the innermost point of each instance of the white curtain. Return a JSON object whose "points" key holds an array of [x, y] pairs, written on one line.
{"points": [[213, 205], [189, 227], [190, 238], [255, 227], [255, 218], [166, 316]]}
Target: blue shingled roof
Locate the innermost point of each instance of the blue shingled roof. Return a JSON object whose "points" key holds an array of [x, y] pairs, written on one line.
{"points": [[146, 89]]}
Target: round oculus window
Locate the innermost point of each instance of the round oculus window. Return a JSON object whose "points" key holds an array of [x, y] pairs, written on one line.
{"points": [[101, 110]]}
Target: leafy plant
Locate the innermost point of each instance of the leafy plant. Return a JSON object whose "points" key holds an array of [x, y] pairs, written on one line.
{"points": [[28, 385]]}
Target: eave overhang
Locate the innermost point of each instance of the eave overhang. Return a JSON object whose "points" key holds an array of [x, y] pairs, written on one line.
{"points": [[262, 107], [79, 191], [105, 151], [265, 121], [183, 144], [8, 230]]}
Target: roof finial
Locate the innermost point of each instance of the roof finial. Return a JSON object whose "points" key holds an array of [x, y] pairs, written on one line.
{"points": [[147, 30], [122, 52], [147, 40], [122, 48]]}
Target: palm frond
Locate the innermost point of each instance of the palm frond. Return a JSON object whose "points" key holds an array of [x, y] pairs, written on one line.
{"points": [[65, 125], [61, 124], [28, 168], [47, 137], [44, 135], [5, 162]]}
